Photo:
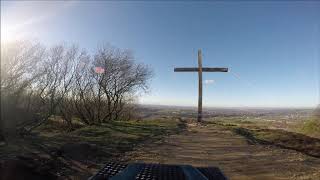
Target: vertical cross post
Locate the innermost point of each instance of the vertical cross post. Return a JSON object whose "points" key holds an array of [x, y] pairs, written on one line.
{"points": [[200, 86], [200, 69]]}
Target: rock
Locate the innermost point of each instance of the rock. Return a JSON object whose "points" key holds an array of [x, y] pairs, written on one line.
{"points": [[79, 151]]}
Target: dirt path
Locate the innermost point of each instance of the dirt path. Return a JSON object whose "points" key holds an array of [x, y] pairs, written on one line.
{"points": [[215, 146]]}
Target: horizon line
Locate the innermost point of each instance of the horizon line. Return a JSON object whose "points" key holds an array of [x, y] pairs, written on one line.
{"points": [[231, 107]]}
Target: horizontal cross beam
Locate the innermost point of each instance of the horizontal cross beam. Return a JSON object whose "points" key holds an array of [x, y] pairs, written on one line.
{"points": [[204, 69]]}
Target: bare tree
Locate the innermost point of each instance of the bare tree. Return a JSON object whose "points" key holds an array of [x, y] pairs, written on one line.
{"points": [[106, 84], [19, 71], [59, 70], [39, 83], [122, 78], [84, 93]]}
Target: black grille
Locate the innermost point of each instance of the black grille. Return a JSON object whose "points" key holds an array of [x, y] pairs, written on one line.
{"points": [[109, 170], [160, 172], [156, 172]]}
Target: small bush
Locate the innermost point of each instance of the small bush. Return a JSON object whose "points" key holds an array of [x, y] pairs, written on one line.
{"points": [[312, 127]]}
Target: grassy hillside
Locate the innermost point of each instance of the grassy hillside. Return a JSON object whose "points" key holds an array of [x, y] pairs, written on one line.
{"points": [[265, 132], [84, 150], [312, 126]]}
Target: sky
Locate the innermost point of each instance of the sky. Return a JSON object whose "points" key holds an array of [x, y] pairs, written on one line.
{"points": [[272, 49]]}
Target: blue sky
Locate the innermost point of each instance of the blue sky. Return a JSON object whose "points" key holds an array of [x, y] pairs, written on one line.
{"points": [[272, 48]]}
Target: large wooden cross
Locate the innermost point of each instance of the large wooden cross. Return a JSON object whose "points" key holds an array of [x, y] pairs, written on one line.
{"points": [[200, 69]]}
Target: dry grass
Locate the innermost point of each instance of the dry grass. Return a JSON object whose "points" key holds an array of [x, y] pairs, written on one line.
{"points": [[300, 135], [284, 139]]}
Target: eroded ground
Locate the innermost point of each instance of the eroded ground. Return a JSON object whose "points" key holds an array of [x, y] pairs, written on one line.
{"points": [[214, 145]]}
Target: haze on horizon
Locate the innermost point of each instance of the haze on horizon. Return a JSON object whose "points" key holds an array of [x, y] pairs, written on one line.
{"points": [[271, 48]]}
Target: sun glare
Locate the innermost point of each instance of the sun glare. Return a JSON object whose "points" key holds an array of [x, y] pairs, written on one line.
{"points": [[7, 33]]}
